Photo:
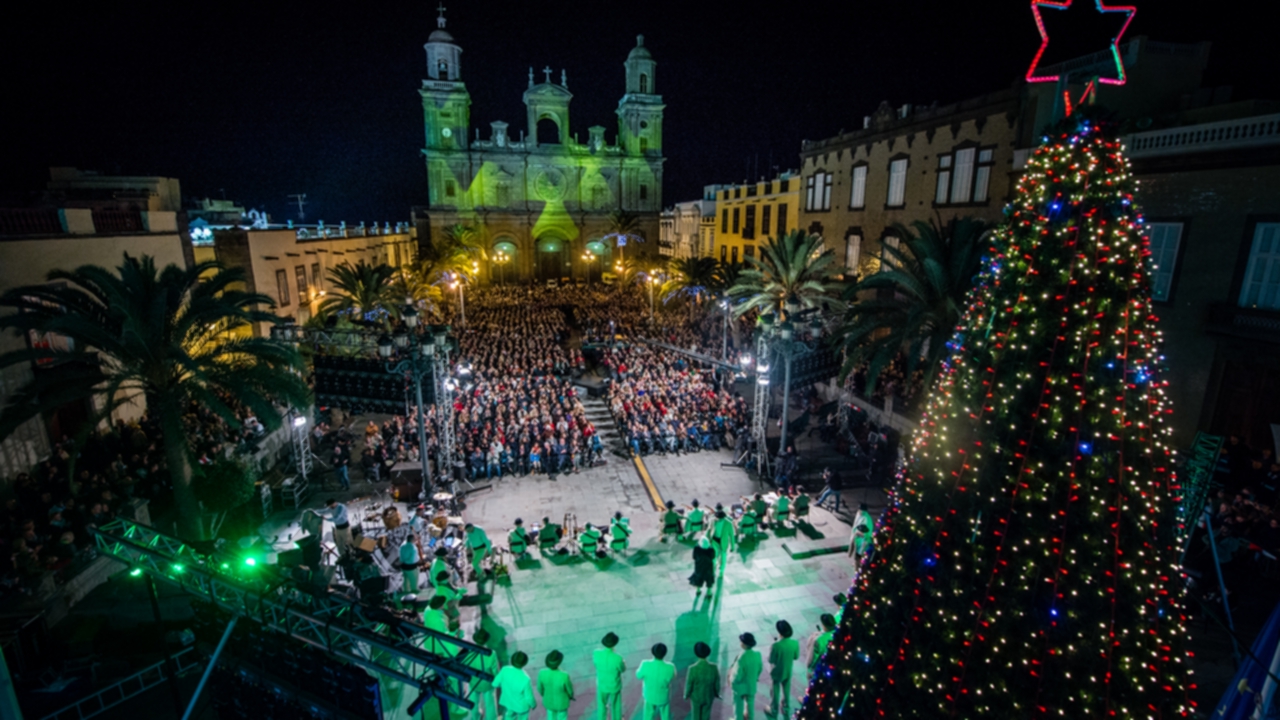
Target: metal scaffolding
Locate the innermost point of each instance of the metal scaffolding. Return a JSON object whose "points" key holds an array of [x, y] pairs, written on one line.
{"points": [[760, 408], [367, 636]]}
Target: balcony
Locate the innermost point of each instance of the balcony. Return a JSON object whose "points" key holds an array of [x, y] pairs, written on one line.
{"points": [[1208, 137], [30, 221], [1246, 323]]}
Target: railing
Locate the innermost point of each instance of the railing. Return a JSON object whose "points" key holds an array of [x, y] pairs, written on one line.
{"points": [[1254, 323], [30, 221], [107, 221], [1225, 135], [122, 690]]}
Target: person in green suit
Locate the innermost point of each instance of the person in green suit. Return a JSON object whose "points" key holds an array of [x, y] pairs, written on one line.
{"points": [[671, 522], [701, 683], [760, 508], [518, 540], [656, 676], [479, 545], [744, 676], [696, 520], [515, 689], [782, 658], [438, 565], [620, 533], [482, 690], [724, 536], [820, 640], [609, 668], [555, 687]]}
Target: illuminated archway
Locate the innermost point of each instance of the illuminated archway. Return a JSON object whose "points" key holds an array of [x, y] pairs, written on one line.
{"points": [[506, 265], [551, 262]]}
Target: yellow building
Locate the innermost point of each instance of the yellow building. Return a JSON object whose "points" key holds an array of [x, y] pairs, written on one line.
{"points": [[292, 264], [749, 214]]}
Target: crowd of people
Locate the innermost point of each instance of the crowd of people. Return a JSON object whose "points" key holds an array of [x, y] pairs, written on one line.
{"points": [[45, 523]]}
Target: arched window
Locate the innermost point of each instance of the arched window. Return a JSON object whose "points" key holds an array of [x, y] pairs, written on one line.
{"points": [[644, 83], [442, 69], [548, 132]]}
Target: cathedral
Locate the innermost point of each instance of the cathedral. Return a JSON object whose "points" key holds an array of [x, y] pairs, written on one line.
{"points": [[538, 196]]}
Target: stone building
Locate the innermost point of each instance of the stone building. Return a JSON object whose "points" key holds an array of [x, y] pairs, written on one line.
{"points": [[291, 263], [933, 163], [542, 196], [84, 219], [751, 213], [689, 228], [1210, 193]]}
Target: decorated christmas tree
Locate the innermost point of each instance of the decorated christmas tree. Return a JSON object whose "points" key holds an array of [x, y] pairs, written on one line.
{"points": [[1026, 565]]}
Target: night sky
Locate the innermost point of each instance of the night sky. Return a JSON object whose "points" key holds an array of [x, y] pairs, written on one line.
{"points": [[259, 100]]}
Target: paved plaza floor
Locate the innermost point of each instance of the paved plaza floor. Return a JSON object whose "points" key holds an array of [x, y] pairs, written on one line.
{"points": [[568, 603]]}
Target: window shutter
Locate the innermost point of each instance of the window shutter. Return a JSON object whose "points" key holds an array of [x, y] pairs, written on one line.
{"points": [[858, 194], [897, 182], [1262, 278], [826, 191], [961, 188], [1165, 238]]}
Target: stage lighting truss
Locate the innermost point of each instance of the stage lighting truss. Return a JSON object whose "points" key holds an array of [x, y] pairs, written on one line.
{"points": [[363, 635]]}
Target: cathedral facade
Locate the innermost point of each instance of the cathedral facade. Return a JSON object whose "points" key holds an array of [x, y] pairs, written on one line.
{"points": [[537, 195]]}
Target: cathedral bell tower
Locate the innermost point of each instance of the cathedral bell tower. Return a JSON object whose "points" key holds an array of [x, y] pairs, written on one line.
{"points": [[446, 104], [640, 110]]}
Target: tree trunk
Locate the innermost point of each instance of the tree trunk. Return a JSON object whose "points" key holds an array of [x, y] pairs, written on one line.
{"points": [[175, 452]]}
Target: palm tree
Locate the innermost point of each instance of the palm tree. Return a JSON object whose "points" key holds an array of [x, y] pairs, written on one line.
{"points": [[362, 290], [727, 274], [416, 289], [456, 248], [914, 303], [624, 227], [170, 337], [792, 270], [690, 278]]}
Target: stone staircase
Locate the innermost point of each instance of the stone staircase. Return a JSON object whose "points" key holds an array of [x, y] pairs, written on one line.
{"points": [[598, 413]]}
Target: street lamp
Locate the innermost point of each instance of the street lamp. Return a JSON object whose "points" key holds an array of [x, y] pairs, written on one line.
{"points": [[650, 280], [589, 257], [502, 259], [462, 299], [418, 362], [724, 336]]}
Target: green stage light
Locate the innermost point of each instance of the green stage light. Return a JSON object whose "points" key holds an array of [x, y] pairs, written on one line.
{"points": [[135, 572], [251, 562], [178, 568]]}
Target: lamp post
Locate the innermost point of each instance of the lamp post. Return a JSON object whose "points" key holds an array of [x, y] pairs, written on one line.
{"points": [[724, 335], [502, 259], [462, 298], [650, 280], [417, 362], [589, 257]]}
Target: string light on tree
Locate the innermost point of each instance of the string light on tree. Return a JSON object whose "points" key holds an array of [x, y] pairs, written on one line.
{"points": [[1026, 567]]}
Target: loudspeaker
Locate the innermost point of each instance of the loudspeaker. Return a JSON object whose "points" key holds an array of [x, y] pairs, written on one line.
{"points": [[293, 558]]}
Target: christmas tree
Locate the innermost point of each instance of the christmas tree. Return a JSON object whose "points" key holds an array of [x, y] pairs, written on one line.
{"points": [[1025, 567]]}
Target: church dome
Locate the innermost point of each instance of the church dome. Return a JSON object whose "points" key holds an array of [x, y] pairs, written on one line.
{"points": [[439, 36], [639, 52]]}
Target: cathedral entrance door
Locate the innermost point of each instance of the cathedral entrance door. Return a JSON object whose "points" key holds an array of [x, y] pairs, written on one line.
{"points": [[551, 259]]}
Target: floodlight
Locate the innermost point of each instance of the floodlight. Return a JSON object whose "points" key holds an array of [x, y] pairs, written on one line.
{"points": [[300, 421]]}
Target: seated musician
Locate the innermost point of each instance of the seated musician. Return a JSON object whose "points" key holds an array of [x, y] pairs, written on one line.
{"points": [[671, 524], [781, 509], [697, 520], [589, 541], [620, 530], [800, 506], [518, 539], [749, 523], [549, 534], [759, 507]]}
